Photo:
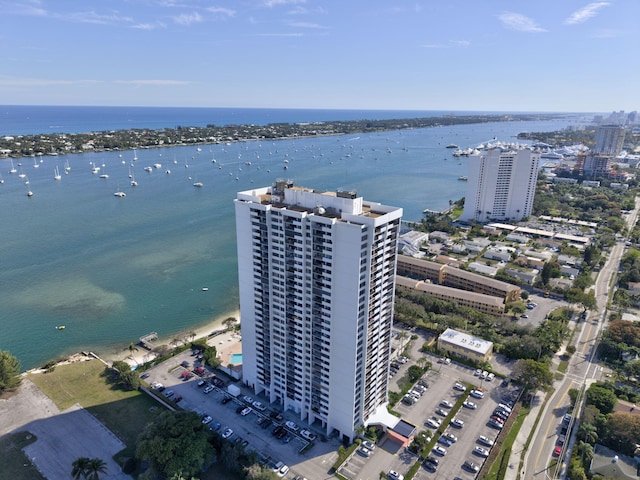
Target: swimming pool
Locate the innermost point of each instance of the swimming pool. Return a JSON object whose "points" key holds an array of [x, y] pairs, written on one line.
{"points": [[236, 359]]}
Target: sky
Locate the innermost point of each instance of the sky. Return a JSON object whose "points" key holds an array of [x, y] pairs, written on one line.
{"points": [[472, 55]]}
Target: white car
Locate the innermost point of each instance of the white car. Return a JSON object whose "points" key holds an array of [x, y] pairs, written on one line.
{"points": [[292, 425], [446, 404], [456, 422], [227, 433], [491, 376], [477, 372], [485, 441], [477, 393], [259, 406], [207, 420], [245, 411], [469, 404], [393, 475], [433, 423], [459, 386], [308, 434], [451, 437], [365, 452], [481, 452], [281, 469], [438, 450], [248, 399], [368, 445], [207, 389]]}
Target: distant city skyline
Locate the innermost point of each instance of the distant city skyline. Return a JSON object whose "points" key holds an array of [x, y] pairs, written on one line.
{"points": [[539, 56]]}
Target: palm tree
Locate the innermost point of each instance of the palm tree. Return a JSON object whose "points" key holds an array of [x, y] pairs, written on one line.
{"points": [[80, 468], [588, 432], [585, 450], [96, 466]]}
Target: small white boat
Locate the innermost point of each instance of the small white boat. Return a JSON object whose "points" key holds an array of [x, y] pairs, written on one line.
{"points": [[56, 174], [135, 155], [148, 169], [198, 184], [119, 194], [167, 171], [35, 164], [60, 327], [452, 145], [12, 169], [104, 175], [464, 178], [205, 289], [157, 165], [67, 168]]}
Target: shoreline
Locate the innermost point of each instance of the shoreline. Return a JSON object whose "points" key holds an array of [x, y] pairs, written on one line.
{"points": [[138, 357]]}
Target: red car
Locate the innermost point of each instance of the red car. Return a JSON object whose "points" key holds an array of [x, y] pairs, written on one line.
{"points": [[557, 451]]}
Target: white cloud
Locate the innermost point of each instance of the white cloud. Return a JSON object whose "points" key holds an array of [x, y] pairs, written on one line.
{"points": [[41, 82], [279, 35], [161, 83], [585, 13], [148, 26], [276, 3], [450, 44], [305, 25], [222, 11], [188, 18], [522, 23], [29, 7], [95, 18]]}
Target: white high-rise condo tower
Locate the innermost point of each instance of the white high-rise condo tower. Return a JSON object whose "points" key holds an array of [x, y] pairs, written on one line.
{"points": [[317, 276], [501, 185]]}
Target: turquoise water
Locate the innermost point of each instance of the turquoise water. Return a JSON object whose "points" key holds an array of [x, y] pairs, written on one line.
{"points": [[112, 269], [236, 359]]}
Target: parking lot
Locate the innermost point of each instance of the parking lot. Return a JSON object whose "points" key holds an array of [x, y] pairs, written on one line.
{"points": [[473, 422], [276, 436]]}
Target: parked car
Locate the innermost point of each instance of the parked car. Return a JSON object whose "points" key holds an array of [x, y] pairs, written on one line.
{"points": [[247, 399], [365, 452], [456, 422], [207, 420], [292, 425], [445, 441], [246, 411], [470, 466], [441, 412], [432, 423], [557, 450], [369, 445], [458, 386], [446, 404], [469, 404], [450, 436], [207, 389], [438, 450], [481, 452], [485, 441], [309, 435], [259, 406], [227, 433], [432, 459], [393, 475], [475, 393], [493, 423]]}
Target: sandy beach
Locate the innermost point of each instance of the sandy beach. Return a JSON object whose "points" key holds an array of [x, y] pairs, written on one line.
{"points": [[204, 331]]}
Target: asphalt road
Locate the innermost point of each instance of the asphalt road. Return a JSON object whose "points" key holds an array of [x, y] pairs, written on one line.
{"points": [[582, 370]]}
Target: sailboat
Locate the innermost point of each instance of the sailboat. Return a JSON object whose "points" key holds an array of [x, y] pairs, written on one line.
{"points": [[135, 155], [67, 168], [133, 180], [22, 174], [119, 193], [13, 169], [56, 174], [35, 163], [29, 192]]}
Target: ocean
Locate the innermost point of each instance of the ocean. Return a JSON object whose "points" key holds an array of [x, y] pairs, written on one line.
{"points": [[113, 269]]}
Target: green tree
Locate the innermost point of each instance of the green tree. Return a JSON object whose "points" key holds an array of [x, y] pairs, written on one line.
{"points": [[210, 356], [258, 472], [532, 374], [9, 371], [602, 398], [95, 467], [588, 432], [176, 442], [79, 468], [88, 468]]}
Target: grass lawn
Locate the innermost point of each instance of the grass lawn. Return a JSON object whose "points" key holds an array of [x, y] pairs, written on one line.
{"points": [[15, 464], [125, 413]]}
